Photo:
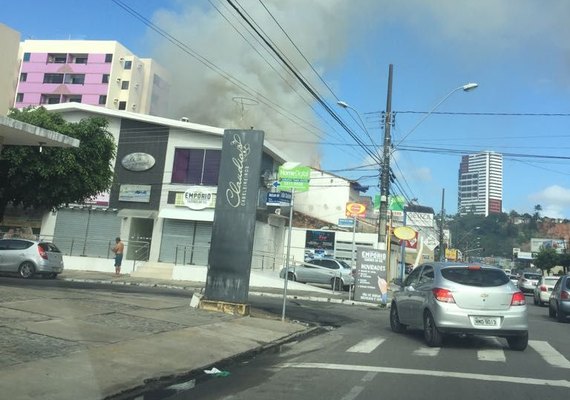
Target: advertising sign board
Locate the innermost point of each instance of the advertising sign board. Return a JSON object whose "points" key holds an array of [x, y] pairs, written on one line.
{"points": [[371, 282], [355, 210], [557, 244], [294, 178]]}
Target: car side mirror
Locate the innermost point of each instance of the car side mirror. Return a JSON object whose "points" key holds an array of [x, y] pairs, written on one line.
{"points": [[398, 282]]}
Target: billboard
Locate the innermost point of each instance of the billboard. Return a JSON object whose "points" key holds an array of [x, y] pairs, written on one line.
{"points": [[557, 244], [234, 219]]}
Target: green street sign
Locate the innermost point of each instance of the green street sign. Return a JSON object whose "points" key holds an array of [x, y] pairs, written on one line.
{"points": [[294, 178]]}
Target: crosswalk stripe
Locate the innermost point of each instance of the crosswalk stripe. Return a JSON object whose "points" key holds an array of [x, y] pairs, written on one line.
{"points": [[367, 345], [549, 353], [491, 355], [427, 351]]}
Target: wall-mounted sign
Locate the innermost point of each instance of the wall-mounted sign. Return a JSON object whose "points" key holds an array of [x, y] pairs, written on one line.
{"points": [[199, 197], [138, 162], [135, 193]]}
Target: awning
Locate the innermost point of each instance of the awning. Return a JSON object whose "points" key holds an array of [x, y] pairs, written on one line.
{"points": [[149, 214], [187, 214]]}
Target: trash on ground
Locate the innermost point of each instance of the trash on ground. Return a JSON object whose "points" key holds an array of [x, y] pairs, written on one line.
{"points": [[216, 372]]}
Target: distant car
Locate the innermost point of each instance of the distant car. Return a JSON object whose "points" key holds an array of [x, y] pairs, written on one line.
{"points": [[543, 289], [559, 302], [29, 257], [514, 279], [458, 298], [528, 280], [328, 271]]}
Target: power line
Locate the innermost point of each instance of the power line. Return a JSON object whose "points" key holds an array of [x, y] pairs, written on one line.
{"points": [[492, 114]]}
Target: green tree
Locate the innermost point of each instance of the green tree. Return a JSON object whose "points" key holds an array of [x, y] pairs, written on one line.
{"points": [[546, 259], [56, 176]]}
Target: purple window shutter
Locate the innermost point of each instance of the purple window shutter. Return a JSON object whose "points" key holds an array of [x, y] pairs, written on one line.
{"points": [[212, 167], [180, 168], [194, 172]]}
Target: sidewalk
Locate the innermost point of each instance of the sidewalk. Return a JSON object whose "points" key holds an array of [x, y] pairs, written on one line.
{"points": [[79, 344]]}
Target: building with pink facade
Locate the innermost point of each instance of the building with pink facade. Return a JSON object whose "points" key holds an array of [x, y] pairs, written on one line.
{"points": [[100, 73]]}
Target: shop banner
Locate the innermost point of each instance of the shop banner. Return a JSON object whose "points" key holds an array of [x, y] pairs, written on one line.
{"points": [[371, 281]]}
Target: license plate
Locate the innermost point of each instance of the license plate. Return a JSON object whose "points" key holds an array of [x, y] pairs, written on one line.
{"points": [[485, 321]]}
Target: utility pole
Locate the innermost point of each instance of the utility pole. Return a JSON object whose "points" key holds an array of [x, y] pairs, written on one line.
{"points": [[441, 221], [385, 166]]}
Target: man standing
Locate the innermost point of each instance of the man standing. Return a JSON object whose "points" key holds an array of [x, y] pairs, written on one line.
{"points": [[118, 250]]}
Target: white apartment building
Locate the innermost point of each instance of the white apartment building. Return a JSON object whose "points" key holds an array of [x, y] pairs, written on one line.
{"points": [[480, 184]]}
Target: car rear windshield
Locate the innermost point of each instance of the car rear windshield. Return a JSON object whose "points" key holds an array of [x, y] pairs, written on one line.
{"points": [[532, 276], [50, 247], [567, 283], [482, 277]]}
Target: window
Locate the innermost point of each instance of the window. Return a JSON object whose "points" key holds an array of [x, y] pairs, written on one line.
{"points": [[480, 277], [330, 264], [108, 57], [75, 79], [122, 105], [124, 85], [53, 78], [427, 275], [105, 78], [196, 166], [23, 77], [57, 58], [71, 98], [19, 97], [103, 99], [78, 58], [26, 57], [412, 279], [49, 99], [128, 64]]}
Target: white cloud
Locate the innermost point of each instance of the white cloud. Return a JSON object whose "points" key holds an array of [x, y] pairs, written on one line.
{"points": [[555, 200]]}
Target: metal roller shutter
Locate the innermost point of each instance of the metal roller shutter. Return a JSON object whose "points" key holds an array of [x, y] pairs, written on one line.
{"points": [[177, 235], [202, 238]]}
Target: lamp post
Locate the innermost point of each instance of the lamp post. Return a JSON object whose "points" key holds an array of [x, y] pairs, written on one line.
{"points": [[362, 125]]}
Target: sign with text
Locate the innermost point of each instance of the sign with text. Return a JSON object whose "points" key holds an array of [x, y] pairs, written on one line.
{"points": [[355, 210], [279, 199], [294, 178], [346, 222], [234, 220], [371, 281]]}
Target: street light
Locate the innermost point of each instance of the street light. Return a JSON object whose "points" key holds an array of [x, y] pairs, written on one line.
{"points": [[362, 125], [466, 88]]}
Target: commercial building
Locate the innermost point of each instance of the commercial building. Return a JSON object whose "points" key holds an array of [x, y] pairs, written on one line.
{"points": [[480, 184], [9, 44], [100, 73]]}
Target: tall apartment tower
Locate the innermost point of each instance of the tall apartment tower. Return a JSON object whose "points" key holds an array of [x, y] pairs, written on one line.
{"points": [[9, 44], [480, 189], [101, 73]]}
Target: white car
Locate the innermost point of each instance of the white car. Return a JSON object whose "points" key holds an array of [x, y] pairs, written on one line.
{"points": [[543, 289], [528, 281]]}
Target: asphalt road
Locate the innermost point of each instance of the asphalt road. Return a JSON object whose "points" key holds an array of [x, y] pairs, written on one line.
{"points": [[363, 359]]}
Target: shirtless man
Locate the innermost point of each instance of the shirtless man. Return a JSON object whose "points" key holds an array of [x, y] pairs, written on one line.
{"points": [[118, 250]]}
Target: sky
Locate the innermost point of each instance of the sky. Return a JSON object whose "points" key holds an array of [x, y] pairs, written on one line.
{"points": [[517, 51]]}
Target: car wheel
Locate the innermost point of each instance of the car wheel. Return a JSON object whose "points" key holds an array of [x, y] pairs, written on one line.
{"points": [[432, 335], [395, 323], [291, 277], [551, 312], [53, 275], [519, 342], [336, 284], [26, 270], [560, 316]]}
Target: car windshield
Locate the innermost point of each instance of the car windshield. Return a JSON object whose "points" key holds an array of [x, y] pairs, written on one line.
{"points": [[49, 247], [482, 277]]}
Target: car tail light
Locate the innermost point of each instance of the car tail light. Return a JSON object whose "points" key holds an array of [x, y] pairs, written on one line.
{"points": [[42, 252], [518, 299], [543, 288], [443, 295], [474, 267], [564, 295]]}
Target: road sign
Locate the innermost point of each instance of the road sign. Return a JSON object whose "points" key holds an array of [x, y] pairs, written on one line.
{"points": [[279, 199], [346, 222], [294, 178]]}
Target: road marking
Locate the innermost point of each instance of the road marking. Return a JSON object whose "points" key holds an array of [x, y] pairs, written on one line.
{"points": [[353, 394], [549, 353], [439, 374], [427, 351], [491, 355], [366, 346]]}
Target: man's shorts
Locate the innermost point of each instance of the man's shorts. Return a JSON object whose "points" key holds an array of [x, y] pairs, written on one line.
{"points": [[118, 260]]}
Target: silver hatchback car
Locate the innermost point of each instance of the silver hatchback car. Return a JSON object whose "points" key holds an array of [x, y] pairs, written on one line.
{"points": [[29, 257], [457, 298], [326, 271]]}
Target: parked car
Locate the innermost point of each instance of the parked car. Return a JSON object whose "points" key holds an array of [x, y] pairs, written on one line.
{"points": [[543, 289], [559, 302], [329, 271], [458, 298], [528, 280], [29, 257]]}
